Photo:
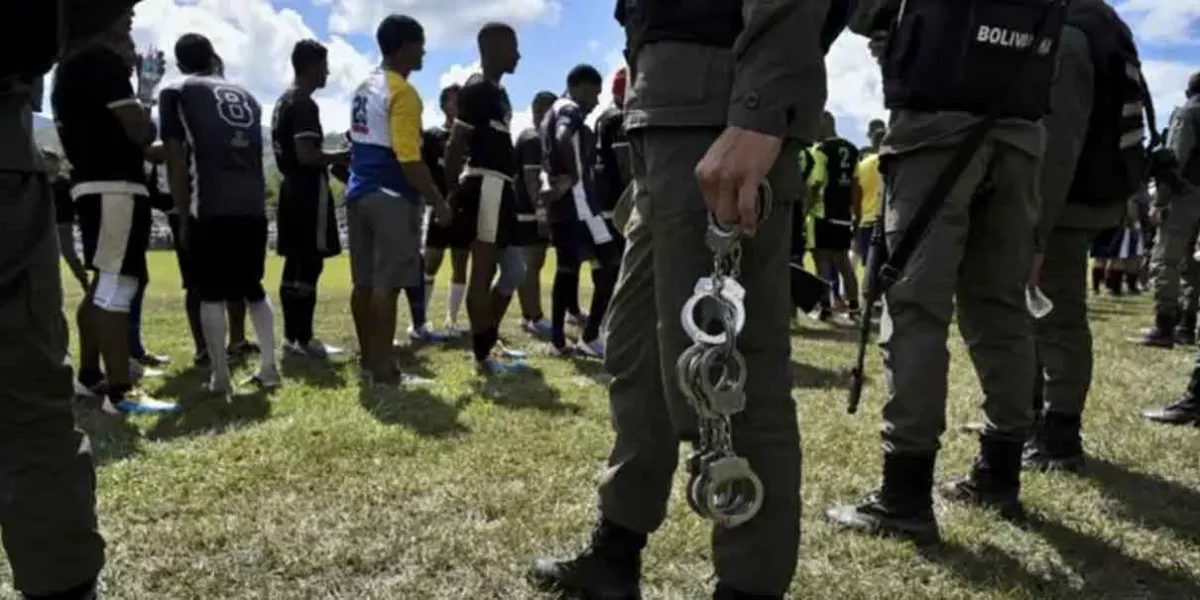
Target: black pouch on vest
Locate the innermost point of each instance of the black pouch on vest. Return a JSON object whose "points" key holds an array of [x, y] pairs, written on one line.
{"points": [[959, 55]]}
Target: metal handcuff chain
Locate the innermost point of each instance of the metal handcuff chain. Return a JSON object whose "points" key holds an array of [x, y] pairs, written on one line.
{"points": [[712, 374]]}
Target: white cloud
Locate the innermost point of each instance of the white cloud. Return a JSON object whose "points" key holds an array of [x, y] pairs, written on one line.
{"points": [[444, 20], [1163, 21]]}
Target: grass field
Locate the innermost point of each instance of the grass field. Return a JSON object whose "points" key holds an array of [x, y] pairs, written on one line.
{"points": [[448, 491]]}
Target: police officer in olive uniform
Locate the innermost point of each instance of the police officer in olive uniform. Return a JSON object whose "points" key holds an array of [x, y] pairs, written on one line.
{"points": [[978, 251], [740, 126], [1085, 183], [1184, 141], [47, 481], [1171, 261]]}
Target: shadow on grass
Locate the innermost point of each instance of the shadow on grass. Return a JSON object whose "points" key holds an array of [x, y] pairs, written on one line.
{"points": [[323, 374], [835, 333], [812, 377], [1148, 500], [1119, 310], [112, 438], [1107, 572], [525, 390], [208, 414], [992, 568], [418, 409], [592, 369]]}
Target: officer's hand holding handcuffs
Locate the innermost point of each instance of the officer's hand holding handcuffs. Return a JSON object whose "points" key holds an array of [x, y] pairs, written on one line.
{"points": [[731, 172]]}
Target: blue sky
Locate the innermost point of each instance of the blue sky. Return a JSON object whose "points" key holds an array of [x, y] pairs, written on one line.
{"points": [[255, 37]]}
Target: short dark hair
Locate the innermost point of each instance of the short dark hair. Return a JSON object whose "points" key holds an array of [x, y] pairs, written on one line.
{"points": [[307, 53], [544, 97], [493, 30], [446, 91], [876, 124], [194, 53], [584, 74], [1193, 86], [397, 30]]}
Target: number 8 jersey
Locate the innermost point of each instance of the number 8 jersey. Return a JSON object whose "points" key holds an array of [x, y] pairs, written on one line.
{"points": [[220, 124]]}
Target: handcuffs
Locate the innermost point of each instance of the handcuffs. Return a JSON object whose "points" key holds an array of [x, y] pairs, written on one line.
{"points": [[712, 374]]}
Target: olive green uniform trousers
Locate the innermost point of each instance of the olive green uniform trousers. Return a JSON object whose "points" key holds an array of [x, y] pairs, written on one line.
{"points": [[47, 482], [977, 258], [664, 256]]}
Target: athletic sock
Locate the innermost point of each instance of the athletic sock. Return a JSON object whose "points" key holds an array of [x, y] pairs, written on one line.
{"points": [[287, 304], [90, 377], [214, 323], [458, 293], [481, 345], [416, 305], [430, 282], [305, 310], [263, 319]]}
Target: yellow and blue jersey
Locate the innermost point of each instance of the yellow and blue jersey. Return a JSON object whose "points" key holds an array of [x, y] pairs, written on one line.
{"points": [[385, 131]]}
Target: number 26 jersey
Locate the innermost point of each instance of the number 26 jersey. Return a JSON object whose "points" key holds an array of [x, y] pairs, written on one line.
{"points": [[220, 123]]}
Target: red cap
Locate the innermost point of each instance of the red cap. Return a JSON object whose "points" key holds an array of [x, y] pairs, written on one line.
{"points": [[619, 81]]}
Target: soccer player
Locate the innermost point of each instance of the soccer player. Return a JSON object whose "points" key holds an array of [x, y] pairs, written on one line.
{"points": [[306, 221], [388, 180], [212, 131], [834, 214], [437, 237], [104, 131], [533, 229], [576, 221], [486, 211]]}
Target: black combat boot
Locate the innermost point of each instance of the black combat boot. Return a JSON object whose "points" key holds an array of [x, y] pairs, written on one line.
{"points": [[725, 592], [1162, 334], [903, 507], [995, 480], [610, 568], [1055, 444], [1185, 333], [1186, 410]]}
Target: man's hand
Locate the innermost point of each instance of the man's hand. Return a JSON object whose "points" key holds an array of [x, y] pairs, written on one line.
{"points": [[732, 171], [442, 213]]}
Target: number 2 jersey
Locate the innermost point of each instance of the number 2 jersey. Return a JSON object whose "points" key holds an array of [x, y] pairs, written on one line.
{"points": [[840, 161], [220, 124]]}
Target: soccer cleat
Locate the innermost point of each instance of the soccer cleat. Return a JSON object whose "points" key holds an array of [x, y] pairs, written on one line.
{"points": [[538, 329], [426, 335], [593, 349], [135, 402]]}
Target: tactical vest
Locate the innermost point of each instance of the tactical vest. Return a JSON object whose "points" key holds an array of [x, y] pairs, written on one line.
{"points": [[706, 22], [1113, 162], [969, 55]]}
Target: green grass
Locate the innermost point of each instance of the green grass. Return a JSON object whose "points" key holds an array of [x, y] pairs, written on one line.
{"points": [[447, 492]]}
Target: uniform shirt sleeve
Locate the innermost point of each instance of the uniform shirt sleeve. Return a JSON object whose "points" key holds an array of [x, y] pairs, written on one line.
{"points": [[1181, 138], [404, 122], [106, 78], [570, 119], [170, 117], [472, 106], [778, 66], [306, 119], [1066, 126]]}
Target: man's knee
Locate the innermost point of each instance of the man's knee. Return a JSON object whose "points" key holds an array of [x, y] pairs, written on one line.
{"points": [[114, 293], [512, 271]]}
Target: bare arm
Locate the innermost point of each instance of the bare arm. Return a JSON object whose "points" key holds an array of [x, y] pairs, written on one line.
{"points": [[177, 177], [456, 153], [66, 246]]}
